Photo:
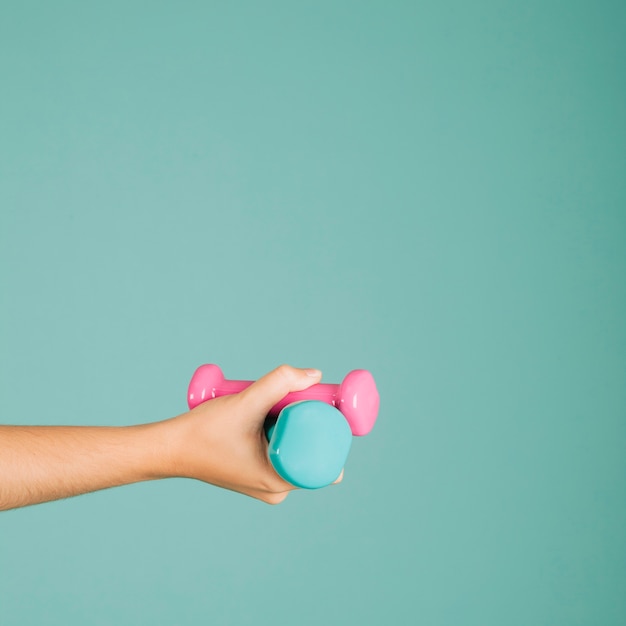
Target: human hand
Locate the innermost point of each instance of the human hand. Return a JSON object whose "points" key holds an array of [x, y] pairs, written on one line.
{"points": [[222, 441]]}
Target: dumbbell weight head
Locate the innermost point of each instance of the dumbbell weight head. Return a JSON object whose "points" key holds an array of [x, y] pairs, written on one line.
{"points": [[204, 383], [309, 444], [359, 401]]}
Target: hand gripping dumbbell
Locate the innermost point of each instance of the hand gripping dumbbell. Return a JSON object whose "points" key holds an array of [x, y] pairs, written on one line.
{"points": [[310, 431]]}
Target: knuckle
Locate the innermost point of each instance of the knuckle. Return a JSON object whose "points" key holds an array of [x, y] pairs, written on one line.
{"points": [[285, 371]]}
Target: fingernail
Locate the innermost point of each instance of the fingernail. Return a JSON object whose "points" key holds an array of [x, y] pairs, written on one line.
{"points": [[312, 372]]}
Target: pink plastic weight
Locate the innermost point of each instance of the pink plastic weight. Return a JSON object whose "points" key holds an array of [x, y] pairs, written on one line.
{"points": [[356, 397]]}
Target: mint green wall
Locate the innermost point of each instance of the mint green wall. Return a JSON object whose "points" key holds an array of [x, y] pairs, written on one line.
{"points": [[433, 191]]}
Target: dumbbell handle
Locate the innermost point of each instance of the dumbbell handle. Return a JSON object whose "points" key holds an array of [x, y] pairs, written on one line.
{"points": [[356, 397], [323, 392]]}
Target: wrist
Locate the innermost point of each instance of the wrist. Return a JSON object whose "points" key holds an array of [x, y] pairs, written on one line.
{"points": [[161, 449]]}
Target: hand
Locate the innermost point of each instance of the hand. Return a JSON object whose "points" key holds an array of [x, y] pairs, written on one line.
{"points": [[222, 441]]}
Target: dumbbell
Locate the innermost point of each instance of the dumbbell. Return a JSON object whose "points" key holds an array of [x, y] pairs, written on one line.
{"points": [[356, 397], [309, 437]]}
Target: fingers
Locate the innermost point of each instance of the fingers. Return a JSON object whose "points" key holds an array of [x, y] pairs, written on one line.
{"points": [[263, 394], [277, 490], [278, 496]]}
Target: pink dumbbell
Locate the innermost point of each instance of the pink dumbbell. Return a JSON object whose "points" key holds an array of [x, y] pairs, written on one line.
{"points": [[356, 397]]}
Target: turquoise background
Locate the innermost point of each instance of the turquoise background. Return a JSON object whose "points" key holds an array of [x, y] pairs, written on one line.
{"points": [[435, 191]]}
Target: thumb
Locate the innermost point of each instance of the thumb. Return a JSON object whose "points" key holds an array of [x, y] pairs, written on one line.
{"points": [[263, 394]]}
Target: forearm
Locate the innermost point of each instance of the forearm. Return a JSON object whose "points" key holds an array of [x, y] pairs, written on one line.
{"points": [[42, 463]]}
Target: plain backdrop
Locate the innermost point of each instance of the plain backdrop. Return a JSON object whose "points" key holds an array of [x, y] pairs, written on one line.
{"points": [[435, 191]]}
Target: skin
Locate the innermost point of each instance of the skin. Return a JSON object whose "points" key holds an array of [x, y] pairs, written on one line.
{"points": [[220, 442]]}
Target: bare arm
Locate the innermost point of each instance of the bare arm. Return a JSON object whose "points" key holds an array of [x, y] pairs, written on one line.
{"points": [[220, 442], [41, 463]]}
